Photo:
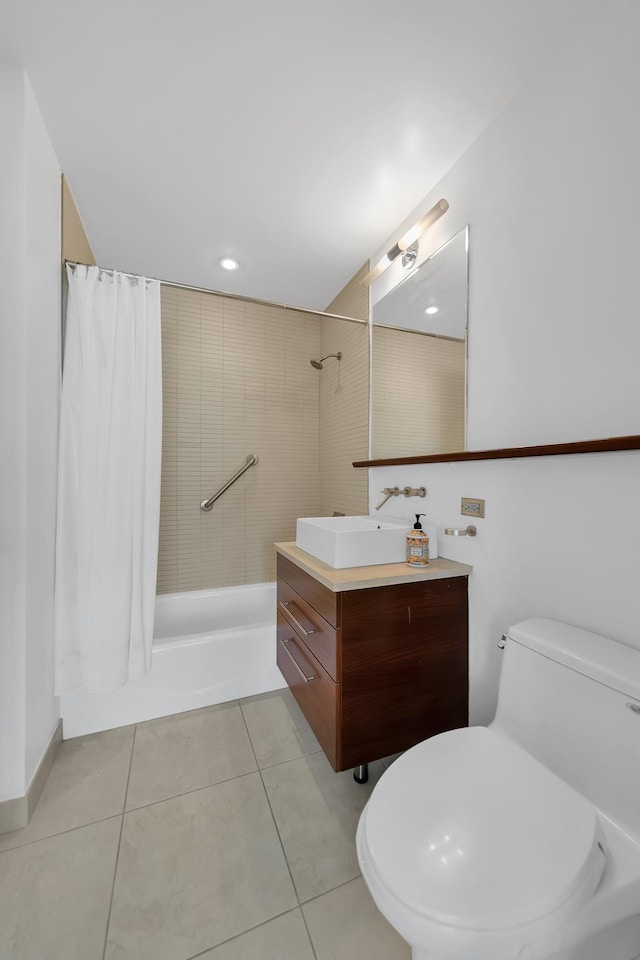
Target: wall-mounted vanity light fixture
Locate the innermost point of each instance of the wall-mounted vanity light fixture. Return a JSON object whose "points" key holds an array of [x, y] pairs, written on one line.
{"points": [[410, 255], [406, 241]]}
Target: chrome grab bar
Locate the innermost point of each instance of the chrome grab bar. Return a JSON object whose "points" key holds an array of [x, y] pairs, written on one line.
{"points": [[207, 504]]}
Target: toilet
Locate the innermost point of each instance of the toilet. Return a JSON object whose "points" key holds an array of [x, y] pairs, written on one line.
{"points": [[520, 840]]}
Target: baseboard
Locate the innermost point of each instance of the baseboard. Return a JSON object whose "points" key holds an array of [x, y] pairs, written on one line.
{"points": [[43, 770], [15, 814]]}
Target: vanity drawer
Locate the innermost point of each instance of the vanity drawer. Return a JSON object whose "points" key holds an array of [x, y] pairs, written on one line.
{"points": [[312, 687], [325, 601], [318, 635]]}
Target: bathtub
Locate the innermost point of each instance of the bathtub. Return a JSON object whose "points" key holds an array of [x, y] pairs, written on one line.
{"points": [[209, 646]]}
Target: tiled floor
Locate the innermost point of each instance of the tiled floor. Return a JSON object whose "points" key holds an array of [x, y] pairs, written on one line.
{"points": [[221, 834]]}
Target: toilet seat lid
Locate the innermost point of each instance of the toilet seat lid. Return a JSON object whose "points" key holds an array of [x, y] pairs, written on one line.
{"points": [[470, 830]]}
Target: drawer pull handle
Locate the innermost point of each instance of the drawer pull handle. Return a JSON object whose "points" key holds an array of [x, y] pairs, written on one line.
{"points": [[286, 604], [285, 644]]}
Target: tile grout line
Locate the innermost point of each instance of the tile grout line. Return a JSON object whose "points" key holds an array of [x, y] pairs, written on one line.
{"points": [[319, 896], [275, 824], [117, 858], [176, 796], [237, 936], [59, 833], [183, 715]]}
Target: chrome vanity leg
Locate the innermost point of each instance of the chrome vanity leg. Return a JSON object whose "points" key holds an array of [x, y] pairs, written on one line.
{"points": [[361, 773]]}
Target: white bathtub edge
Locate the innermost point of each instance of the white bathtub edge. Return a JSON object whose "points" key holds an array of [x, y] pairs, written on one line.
{"points": [[191, 671], [86, 713]]}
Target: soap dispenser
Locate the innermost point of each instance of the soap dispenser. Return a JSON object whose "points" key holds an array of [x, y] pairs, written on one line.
{"points": [[417, 545]]}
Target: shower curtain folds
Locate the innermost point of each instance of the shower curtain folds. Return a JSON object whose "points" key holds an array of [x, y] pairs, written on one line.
{"points": [[109, 480]]}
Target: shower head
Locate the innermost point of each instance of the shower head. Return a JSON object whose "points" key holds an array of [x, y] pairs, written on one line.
{"points": [[318, 364]]}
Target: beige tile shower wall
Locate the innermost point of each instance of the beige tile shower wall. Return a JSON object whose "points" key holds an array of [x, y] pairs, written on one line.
{"points": [[344, 402], [237, 380], [75, 243], [418, 393], [353, 299]]}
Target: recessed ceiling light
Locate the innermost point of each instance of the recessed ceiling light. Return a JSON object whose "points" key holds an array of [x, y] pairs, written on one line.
{"points": [[431, 310], [229, 263]]}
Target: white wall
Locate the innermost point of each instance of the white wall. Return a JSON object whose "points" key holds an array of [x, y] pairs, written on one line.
{"points": [[550, 191], [43, 347], [13, 434], [29, 370]]}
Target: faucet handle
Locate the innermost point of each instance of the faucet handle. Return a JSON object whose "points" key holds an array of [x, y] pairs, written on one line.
{"points": [[415, 491], [388, 492]]}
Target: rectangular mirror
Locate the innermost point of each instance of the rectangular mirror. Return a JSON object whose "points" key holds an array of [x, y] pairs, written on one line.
{"points": [[419, 358]]}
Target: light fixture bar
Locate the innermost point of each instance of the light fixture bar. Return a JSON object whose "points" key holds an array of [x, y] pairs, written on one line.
{"points": [[406, 240]]}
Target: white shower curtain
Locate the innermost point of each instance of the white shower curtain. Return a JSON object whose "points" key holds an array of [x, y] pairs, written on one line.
{"points": [[109, 480]]}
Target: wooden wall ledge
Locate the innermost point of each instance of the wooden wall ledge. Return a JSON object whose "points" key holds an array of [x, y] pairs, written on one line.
{"points": [[607, 445]]}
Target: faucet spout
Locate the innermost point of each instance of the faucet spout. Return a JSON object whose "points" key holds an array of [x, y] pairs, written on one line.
{"points": [[388, 492]]}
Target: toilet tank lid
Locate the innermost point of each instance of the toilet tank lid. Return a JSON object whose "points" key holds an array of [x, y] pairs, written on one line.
{"points": [[599, 658]]}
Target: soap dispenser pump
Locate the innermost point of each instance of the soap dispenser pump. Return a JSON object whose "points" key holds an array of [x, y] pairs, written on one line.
{"points": [[417, 545]]}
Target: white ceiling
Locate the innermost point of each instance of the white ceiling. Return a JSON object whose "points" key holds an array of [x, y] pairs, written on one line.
{"points": [[293, 135]]}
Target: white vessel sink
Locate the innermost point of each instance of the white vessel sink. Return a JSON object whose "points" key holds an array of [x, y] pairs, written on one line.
{"points": [[353, 541]]}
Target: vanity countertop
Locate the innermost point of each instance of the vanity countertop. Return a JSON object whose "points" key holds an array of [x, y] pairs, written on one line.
{"points": [[379, 575]]}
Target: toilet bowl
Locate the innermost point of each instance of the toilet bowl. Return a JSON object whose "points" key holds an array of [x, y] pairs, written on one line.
{"points": [[474, 848]]}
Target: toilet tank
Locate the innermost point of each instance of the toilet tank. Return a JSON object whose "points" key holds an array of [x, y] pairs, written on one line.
{"points": [[572, 699]]}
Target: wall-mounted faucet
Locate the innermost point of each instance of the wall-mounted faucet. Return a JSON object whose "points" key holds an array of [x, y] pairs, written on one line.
{"points": [[388, 492], [396, 491]]}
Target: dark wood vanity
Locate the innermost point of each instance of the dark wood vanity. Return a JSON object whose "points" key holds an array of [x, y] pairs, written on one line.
{"points": [[375, 668]]}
